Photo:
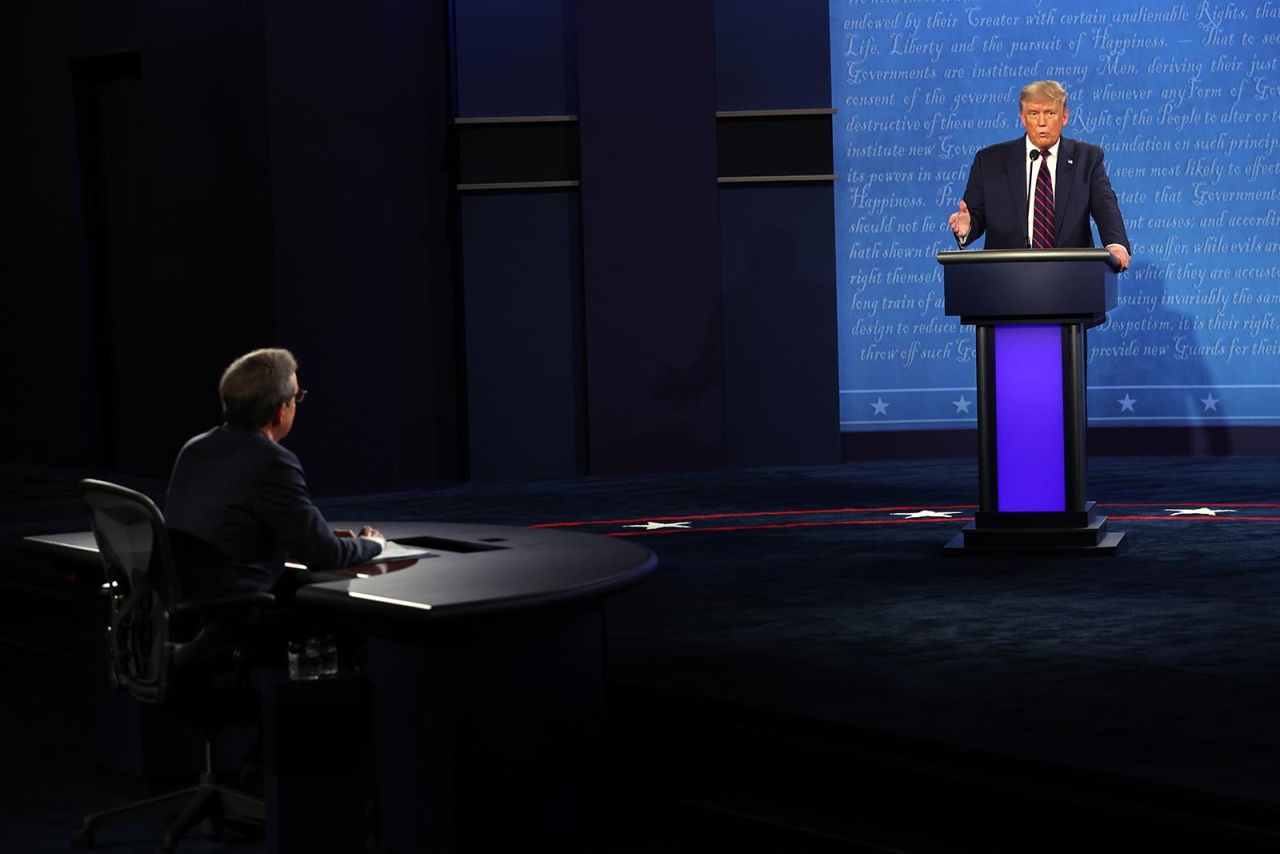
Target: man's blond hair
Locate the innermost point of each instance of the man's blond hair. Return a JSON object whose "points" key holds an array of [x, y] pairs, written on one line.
{"points": [[1043, 90]]}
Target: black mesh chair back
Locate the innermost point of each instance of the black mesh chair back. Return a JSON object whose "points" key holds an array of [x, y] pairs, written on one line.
{"points": [[154, 636], [141, 584]]}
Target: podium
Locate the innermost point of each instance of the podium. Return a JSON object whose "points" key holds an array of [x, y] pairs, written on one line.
{"points": [[1031, 309]]}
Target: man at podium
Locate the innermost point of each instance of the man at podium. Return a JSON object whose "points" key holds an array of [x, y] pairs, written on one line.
{"points": [[1040, 190]]}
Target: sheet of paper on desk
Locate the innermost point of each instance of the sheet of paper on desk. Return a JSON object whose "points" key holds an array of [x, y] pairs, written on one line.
{"points": [[398, 551]]}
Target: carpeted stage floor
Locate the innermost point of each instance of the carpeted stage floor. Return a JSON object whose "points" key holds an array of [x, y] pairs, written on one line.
{"points": [[806, 669]]}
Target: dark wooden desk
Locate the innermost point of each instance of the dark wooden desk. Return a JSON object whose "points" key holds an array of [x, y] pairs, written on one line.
{"points": [[480, 569], [472, 570], [486, 680], [77, 547], [485, 687]]}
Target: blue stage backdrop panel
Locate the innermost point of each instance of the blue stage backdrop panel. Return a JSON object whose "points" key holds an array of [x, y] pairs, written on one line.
{"points": [[523, 280], [650, 207], [768, 55], [780, 359], [777, 256], [1185, 99], [514, 57]]}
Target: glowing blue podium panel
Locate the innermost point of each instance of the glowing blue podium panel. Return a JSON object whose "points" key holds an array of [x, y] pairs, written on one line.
{"points": [[1031, 476]]}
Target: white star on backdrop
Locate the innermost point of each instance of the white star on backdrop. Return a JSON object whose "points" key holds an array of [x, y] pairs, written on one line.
{"points": [[929, 514], [1211, 402], [1198, 511], [655, 526], [961, 405], [1126, 403], [880, 407]]}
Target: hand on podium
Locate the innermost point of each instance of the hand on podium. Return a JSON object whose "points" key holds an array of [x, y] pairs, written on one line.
{"points": [[1121, 254]]}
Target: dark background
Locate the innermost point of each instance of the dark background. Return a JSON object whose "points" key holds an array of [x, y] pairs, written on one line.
{"points": [[192, 180], [505, 238], [195, 180]]}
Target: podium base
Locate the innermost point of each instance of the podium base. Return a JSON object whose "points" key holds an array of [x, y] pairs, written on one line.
{"points": [[1106, 548], [1091, 538]]}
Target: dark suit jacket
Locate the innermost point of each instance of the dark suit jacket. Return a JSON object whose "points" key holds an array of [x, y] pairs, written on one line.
{"points": [[997, 196], [237, 506]]}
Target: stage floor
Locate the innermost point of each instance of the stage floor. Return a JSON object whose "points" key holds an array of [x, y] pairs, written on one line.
{"points": [[822, 594]]}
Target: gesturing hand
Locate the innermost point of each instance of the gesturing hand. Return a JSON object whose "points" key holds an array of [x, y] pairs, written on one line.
{"points": [[960, 222]]}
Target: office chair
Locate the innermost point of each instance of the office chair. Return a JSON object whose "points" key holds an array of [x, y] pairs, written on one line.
{"points": [[162, 648]]}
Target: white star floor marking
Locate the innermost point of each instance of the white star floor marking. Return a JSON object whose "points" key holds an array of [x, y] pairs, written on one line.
{"points": [[928, 514], [655, 526], [1198, 511]]}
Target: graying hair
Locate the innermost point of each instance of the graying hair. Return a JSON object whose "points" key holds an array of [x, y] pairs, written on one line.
{"points": [[254, 385]]}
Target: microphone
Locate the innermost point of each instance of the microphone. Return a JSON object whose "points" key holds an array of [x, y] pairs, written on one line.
{"points": [[1026, 214]]}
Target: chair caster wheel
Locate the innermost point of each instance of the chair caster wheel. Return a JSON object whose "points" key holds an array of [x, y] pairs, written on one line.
{"points": [[82, 838]]}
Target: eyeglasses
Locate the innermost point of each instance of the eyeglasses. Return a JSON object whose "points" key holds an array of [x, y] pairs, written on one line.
{"points": [[299, 396]]}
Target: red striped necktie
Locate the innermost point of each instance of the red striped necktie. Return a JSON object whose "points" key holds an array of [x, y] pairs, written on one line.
{"points": [[1042, 236]]}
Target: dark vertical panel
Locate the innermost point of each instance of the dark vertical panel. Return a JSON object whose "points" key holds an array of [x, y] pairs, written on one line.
{"points": [[205, 293], [772, 55], [779, 325], [100, 28], [49, 403], [655, 365], [109, 125], [522, 260], [176, 165], [360, 202], [514, 57]]}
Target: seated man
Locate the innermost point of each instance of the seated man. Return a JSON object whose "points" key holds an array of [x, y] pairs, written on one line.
{"points": [[238, 503]]}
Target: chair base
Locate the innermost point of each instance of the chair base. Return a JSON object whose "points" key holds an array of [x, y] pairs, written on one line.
{"points": [[206, 800]]}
